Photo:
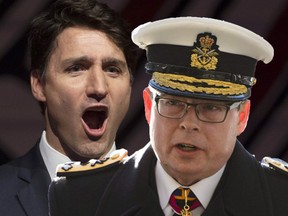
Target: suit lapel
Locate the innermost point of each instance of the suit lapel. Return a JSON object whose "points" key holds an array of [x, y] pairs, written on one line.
{"points": [[216, 208], [132, 190], [147, 205], [33, 196], [243, 188]]}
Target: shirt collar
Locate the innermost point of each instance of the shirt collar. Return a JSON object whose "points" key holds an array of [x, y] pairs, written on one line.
{"points": [[165, 185], [203, 189], [52, 157]]}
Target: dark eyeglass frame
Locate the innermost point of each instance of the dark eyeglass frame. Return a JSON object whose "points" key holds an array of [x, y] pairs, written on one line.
{"points": [[227, 107]]}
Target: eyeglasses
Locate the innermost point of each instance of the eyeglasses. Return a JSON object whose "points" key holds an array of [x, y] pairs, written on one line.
{"points": [[206, 112]]}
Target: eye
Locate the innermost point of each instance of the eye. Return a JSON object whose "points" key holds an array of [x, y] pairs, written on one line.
{"points": [[213, 107], [171, 102], [113, 69], [75, 68]]}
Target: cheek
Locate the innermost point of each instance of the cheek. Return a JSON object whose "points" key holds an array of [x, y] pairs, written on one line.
{"points": [[121, 97], [119, 100], [64, 99], [220, 147], [61, 96], [125, 93], [225, 138], [154, 125], [161, 132]]}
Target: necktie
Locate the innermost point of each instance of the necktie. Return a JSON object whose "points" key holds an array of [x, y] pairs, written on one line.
{"points": [[183, 201]]}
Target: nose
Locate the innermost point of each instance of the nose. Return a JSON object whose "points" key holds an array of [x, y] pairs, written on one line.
{"points": [[97, 84], [190, 120]]}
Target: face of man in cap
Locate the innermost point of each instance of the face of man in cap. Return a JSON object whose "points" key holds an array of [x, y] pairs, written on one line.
{"points": [[189, 149], [197, 102]]}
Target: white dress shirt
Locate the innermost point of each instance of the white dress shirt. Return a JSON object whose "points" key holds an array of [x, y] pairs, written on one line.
{"points": [[52, 157], [203, 189]]}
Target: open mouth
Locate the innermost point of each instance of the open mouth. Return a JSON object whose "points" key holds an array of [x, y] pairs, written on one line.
{"points": [[185, 147], [95, 119]]}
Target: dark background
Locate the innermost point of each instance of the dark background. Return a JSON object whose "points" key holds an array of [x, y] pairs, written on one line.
{"points": [[267, 131]]}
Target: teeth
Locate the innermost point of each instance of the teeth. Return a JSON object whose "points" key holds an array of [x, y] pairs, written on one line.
{"points": [[186, 147]]}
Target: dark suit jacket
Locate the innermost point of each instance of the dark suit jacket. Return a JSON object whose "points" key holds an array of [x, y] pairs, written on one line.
{"points": [[246, 188], [24, 185]]}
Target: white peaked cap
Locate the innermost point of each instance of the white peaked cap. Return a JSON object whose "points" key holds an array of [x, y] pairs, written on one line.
{"points": [[231, 38], [202, 57]]}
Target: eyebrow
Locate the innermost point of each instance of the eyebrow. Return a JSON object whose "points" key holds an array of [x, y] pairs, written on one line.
{"points": [[114, 61], [105, 61], [76, 59]]}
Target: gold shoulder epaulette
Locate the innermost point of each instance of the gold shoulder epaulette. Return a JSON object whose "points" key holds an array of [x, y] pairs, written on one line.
{"points": [[276, 164], [76, 168]]}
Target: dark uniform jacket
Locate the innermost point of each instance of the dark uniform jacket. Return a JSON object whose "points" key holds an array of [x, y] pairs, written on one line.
{"points": [[246, 188], [24, 186]]}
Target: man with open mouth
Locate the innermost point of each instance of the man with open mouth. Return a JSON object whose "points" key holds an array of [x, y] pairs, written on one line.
{"points": [[197, 104], [82, 59]]}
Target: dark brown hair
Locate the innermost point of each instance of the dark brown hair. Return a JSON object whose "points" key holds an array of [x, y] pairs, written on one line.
{"points": [[68, 13]]}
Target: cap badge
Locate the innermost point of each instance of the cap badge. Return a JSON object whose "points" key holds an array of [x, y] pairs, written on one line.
{"points": [[205, 52]]}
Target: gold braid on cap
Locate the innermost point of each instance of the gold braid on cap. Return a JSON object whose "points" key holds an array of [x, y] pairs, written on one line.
{"points": [[187, 83]]}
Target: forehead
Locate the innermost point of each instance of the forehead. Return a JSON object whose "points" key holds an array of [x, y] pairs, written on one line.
{"points": [[84, 39]]}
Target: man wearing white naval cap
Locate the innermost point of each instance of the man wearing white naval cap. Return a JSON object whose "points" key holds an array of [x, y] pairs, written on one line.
{"points": [[196, 104]]}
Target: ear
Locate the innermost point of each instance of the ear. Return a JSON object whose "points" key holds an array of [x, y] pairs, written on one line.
{"points": [[147, 103], [37, 86], [243, 116]]}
